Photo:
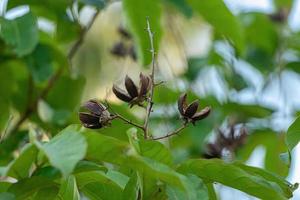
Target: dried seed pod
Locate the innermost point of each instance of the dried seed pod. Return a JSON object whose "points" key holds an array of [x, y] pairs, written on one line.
{"points": [[191, 109], [131, 87], [182, 103], [230, 142], [97, 116], [144, 84], [124, 33], [189, 112], [134, 95], [132, 52]]}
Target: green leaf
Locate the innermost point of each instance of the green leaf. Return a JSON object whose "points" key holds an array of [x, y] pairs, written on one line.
{"points": [[286, 187], [97, 185], [48, 193], [163, 173], [20, 167], [58, 98], [223, 21], [295, 66], [243, 112], [292, 137], [196, 186], [211, 191], [7, 196], [131, 189], [20, 33], [235, 176], [274, 145], [65, 150], [4, 186], [183, 7], [28, 187], [68, 189], [40, 63], [136, 13], [104, 148]]}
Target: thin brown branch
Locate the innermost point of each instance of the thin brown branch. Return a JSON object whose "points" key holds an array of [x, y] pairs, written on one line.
{"points": [[128, 121], [150, 102], [31, 108], [116, 115], [172, 133]]}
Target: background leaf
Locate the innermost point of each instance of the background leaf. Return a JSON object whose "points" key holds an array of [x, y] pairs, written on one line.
{"points": [[136, 13], [21, 33]]}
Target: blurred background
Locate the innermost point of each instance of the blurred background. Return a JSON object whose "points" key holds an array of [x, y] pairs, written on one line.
{"points": [[242, 59]]}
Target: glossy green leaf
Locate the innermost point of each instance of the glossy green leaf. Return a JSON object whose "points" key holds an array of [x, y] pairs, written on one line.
{"points": [[136, 13], [156, 151], [293, 134], [223, 21], [196, 186], [21, 33], [97, 185], [131, 190], [104, 148], [163, 173], [68, 189], [65, 150], [235, 176]]}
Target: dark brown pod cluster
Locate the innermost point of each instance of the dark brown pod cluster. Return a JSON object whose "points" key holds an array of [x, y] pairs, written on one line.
{"points": [[125, 46], [190, 112], [134, 95], [97, 115], [230, 142]]}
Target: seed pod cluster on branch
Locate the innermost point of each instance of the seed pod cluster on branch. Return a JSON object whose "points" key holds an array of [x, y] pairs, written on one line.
{"points": [[97, 115], [124, 47], [135, 95], [189, 112]]}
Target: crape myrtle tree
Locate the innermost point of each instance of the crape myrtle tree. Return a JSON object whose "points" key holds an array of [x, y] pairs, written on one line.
{"points": [[55, 144]]}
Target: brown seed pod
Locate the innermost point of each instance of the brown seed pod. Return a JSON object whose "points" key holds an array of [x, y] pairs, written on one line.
{"points": [[189, 112], [97, 116], [134, 95], [231, 142], [119, 49], [124, 33]]}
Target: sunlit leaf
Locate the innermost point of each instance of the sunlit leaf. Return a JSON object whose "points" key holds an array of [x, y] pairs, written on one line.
{"points": [[65, 150]]}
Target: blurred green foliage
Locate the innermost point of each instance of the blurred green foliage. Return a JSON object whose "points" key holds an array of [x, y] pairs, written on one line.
{"points": [[41, 90]]}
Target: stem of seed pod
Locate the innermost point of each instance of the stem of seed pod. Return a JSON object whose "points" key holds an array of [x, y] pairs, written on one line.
{"points": [[128, 121], [118, 116], [150, 102], [172, 133]]}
